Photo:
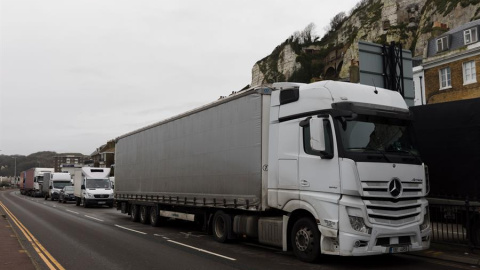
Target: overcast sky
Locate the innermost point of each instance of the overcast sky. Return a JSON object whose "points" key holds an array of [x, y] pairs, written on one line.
{"points": [[75, 74]]}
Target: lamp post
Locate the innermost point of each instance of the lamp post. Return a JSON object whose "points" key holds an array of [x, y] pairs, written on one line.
{"points": [[15, 174]]}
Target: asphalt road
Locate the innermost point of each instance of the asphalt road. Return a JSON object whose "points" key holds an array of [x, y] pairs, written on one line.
{"points": [[103, 238]]}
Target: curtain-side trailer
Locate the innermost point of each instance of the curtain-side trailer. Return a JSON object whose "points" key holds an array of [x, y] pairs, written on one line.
{"points": [[322, 168]]}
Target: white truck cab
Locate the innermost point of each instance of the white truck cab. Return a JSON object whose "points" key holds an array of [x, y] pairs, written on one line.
{"points": [[53, 183], [93, 187]]}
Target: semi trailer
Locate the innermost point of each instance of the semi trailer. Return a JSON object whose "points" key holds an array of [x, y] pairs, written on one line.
{"points": [[33, 181], [322, 168]]}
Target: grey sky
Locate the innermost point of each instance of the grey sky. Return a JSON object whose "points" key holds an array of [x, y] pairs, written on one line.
{"points": [[75, 74]]}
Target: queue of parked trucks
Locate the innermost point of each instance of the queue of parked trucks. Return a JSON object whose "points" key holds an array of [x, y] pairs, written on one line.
{"points": [[323, 168], [92, 186]]}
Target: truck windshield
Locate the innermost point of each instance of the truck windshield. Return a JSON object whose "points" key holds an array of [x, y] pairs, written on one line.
{"points": [[97, 183], [378, 139], [60, 185]]}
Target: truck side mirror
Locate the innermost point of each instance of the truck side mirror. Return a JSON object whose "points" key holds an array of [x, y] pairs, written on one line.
{"points": [[83, 186], [317, 135]]}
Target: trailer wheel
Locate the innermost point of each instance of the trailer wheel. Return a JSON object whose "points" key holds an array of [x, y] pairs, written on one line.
{"points": [[77, 201], [155, 218], [144, 214], [305, 239], [222, 225], [134, 213]]}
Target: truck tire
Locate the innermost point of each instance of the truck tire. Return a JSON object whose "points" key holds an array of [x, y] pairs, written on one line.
{"points": [[305, 240], [155, 218], [52, 199], [222, 226], [144, 214], [46, 197], [134, 213], [77, 201], [84, 202]]}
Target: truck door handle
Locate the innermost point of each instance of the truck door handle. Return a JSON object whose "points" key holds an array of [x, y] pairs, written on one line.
{"points": [[304, 183]]}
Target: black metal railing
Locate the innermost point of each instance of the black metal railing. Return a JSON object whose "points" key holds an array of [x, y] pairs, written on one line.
{"points": [[455, 222]]}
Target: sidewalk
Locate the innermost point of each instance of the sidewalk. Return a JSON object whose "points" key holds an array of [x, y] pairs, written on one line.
{"points": [[13, 255], [452, 253]]}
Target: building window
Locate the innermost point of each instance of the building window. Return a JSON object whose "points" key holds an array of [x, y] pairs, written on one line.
{"points": [[470, 35], [76, 161], [469, 72], [445, 78], [67, 160], [442, 44]]}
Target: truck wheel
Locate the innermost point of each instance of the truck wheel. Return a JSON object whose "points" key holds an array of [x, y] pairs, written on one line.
{"points": [[144, 214], [155, 218], [77, 201], [46, 197], [305, 239], [52, 199], [84, 202], [222, 225], [134, 213]]}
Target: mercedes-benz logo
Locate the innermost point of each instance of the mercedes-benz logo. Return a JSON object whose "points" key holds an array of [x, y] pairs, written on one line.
{"points": [[395, 187]]}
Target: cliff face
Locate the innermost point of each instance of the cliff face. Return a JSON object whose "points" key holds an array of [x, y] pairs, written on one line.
{"points": [[409, 22]]}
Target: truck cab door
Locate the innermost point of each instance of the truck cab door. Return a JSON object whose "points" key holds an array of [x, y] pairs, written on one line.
{"points": [[318, 168]]}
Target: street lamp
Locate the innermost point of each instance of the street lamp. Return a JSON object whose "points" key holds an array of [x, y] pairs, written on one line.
{"points": [[15, 174]]}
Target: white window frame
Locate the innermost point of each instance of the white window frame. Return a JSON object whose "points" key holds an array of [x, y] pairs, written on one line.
{"points": [[445, 78], [469, 72], [442, 44], [470, 36]]}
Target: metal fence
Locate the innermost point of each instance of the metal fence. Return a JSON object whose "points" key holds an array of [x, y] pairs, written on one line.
{"points": [[456, 222]]}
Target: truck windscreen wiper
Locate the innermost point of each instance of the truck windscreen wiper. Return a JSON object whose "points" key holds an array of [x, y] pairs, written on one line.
{"points": [[374, 150], [406, 151]]}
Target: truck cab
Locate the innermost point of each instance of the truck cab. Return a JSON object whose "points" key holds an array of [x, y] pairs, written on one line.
{"points": [[93, 187]]}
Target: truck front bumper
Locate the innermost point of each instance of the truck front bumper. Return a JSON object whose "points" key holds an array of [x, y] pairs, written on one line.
{"points": [[385, 240], [108, 202]]}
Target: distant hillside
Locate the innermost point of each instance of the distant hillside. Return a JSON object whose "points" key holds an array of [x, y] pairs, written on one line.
{"points": [[305, 58], [40, 159]]}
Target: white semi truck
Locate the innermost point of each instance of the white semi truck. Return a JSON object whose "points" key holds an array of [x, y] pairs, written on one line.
{"points": [[93, 187], [53, 184], [321, 168]]}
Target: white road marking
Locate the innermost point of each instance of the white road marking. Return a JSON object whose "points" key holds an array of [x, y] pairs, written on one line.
{"points": [[73, 212], [129, 229], [202, 250], [94, 218], [164, 237]]}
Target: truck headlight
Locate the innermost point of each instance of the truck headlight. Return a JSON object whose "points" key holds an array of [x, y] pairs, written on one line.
{"points": [[426, 220], [358, 224], [88, 195]]}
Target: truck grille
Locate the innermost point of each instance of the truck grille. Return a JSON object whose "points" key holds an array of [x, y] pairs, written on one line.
{"points": [[100, 196], [384, 208]]}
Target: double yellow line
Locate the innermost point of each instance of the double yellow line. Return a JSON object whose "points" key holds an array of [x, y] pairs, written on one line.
{"points": [[41, 251]]}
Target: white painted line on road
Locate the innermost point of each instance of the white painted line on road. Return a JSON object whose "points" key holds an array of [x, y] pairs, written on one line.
{"points": [[94, 218], [162, 236], [73, 212], [129, 229], [202, 250]]}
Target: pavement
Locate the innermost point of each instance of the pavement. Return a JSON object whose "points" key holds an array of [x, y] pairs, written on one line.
{"points": [[14, 256]]}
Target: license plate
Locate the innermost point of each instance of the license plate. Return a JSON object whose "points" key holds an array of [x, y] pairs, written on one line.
{"points": [[101, 202], [398, 249]]}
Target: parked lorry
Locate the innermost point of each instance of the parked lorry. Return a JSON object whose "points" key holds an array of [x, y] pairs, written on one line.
{"points": [[53, 183], [21, 183], [92, 187], [33, 180], [322, 168], [448, 136]]}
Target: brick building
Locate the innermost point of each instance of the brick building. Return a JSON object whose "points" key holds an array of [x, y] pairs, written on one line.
{"points": [[67, 161], [450, 65]]}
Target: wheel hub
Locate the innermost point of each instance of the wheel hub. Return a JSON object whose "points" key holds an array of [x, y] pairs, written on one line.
{"points": [[302, 239]]}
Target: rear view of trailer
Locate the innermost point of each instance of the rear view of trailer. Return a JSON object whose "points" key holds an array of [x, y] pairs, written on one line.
{"points": [[212, 156]]}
